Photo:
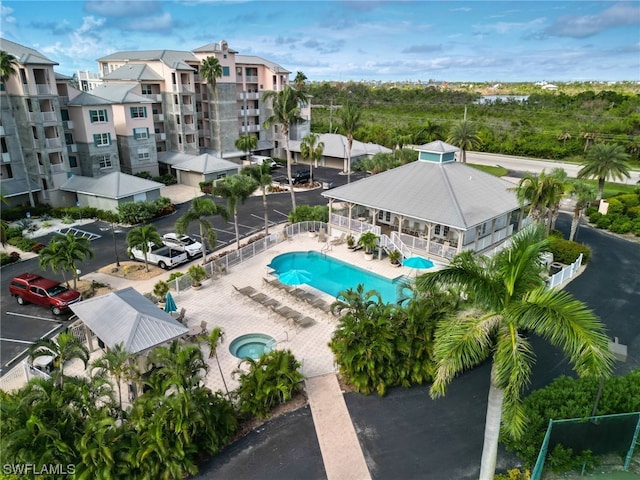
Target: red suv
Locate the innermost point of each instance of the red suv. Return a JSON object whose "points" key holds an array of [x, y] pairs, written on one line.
{"points": [[32, 288]]}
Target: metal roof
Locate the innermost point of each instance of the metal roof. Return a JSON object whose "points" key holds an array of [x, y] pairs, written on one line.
{"points": [[175, 59], [132, 320], [336, 145], [254, 60], [451, 194], [86, 99], [205, 163], [114, 185], [212, 47], [134, 71], [25, 55], [119, 93]]}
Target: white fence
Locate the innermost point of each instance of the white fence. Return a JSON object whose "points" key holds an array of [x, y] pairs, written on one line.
{"points": [[565, 274]]}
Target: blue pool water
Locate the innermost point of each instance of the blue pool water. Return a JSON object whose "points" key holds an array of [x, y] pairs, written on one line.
{"points": [[333, 276], [252, 345]]}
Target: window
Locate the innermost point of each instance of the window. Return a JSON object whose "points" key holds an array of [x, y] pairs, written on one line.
{"points": [[98, 116], [138, 112], [65, 115], [387, 216], [221, 175], [224, 55], [143, 154], [140, 133], [102, 139], [68, 138], [146, 89], [104, 161], [73, 162], [225, 71], [436, 231]]}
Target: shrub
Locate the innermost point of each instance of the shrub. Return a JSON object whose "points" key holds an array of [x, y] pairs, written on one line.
{"points": [[13, 232], [629, 200], [590, 211], [174, 275], [6, 259], [306, 213], [160, 289], [633, 212], [37, 247], [167, 179], [568, 252], [25, 244], [206, 187], [621, 226], [197, 274], [615, 206], [134, 213]]}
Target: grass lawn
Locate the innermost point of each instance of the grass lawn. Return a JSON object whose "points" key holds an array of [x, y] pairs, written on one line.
{"points": [[496, 171]]}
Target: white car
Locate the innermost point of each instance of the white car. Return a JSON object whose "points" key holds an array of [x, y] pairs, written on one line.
{"points": [[184, 243]]}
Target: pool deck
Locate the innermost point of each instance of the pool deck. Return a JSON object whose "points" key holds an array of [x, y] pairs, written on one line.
{"points": [[220, 305]]}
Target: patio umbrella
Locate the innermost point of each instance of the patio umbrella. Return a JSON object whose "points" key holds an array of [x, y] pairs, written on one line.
{"points": [[295, 277], [417, 262], [170, 304]]}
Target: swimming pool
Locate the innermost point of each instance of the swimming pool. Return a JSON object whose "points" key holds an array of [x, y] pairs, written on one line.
{"points": [[333, 276]]}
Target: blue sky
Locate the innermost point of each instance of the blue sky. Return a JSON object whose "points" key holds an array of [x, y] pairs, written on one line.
{"points": [[352, 40]]}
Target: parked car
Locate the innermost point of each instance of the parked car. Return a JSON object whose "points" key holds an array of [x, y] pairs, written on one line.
{"points": [[303, 176], [32, 288], [259, 160], [184, 243], [164, 257]]}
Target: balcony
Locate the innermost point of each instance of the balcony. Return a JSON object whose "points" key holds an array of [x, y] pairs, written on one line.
{"points": [[1, 130], [248, 96], [250, 128], [158, 117], [57, 168], [6, 158], [161, 137], [53, 142], [156, 97], [190, 146], [64, 100], [72, 148], [187, 88], [68, 125], [249, 112], [43, 88], [187, 107], [49, 117], [189, 127]]}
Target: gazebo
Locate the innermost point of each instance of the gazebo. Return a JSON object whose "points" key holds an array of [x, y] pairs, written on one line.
{"points": [[434, 206]]}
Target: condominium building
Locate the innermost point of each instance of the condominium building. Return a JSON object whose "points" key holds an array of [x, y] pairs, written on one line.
{"points": [[141, 108]]}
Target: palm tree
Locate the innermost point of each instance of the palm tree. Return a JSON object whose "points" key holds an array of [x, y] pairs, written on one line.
{"points": [[140, 238], [262, 175], [211, 70], [200, 208], [542, 193], [511, 300], [182, 367], [247, 143], [64, 348], [605, 160], [311, 151], [299, 81], [582, 193], [117, 363], [464, 135], [350, 117], [286, 112], [236, 189], [63, 254], [8, 65], [215, 338]]}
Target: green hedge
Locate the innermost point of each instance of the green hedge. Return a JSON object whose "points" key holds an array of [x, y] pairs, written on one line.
{"points": [[306, 213], [568, 252]]}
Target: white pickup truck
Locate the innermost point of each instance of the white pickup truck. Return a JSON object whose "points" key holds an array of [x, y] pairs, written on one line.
{"points": [[163, 256]]}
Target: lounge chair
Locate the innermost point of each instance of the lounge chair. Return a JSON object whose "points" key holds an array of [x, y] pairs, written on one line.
{"points": [[305, 322], [247, 291], [259, 297], [340, 240]]}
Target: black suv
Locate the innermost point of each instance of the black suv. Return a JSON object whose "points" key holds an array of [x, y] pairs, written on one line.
{"points": [[302, 176]]}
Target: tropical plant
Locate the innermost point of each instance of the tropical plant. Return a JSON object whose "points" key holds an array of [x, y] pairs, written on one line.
{"points": [[160, 289], [285, 106], [197, 274], [63, 254], [394, 256], [63, 348], [542, 193], [312, 151], [511, 302], [262, 175], [582, 193], [247, 143], [464, 135], [605, 160], [200, 208], [116, 362], [299, 81], [104, 447], [212, 340], [269, 381], [350, 117], [236, 189], [8, 65], [182, 367], [368, 241], [142, 238], [211, 70]]}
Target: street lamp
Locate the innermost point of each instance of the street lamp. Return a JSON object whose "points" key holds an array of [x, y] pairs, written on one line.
{"points": [[115, 248]]}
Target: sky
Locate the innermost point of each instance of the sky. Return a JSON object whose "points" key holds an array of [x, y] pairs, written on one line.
{"points": [[473, 41]]}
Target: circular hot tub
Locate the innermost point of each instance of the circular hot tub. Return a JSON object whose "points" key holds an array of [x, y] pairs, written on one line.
{"points": [[252, 345]]}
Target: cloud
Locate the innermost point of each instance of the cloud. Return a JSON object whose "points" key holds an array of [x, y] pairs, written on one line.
{"points": [[423, 49], [333, 46], [56, 28], [503, 28], [84, 42], [121, 8], [573, 26], [6, 14], [153, 23]]}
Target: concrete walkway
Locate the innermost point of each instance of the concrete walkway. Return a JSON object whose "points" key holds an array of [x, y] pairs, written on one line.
{"points": [[341, 452]]}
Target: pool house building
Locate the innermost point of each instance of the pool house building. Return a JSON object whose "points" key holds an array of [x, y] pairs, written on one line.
{"points": [[433, 207]]}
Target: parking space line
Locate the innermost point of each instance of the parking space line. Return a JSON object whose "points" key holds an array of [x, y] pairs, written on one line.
{"points": [[34, 317], [13, 340], [283, 214]]}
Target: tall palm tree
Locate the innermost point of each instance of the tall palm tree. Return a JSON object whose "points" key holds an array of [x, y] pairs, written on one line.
{"points": [[350, 117], [140, 238], [8, 65], [511, 300], [464, 135], [236, 189], [215, 338], [262, 175], [299, 81], [200, 208], [63, 254], [117, 363], [63, 348], [312, 151], [582, 193], [182, 366], [247, 143], [285, 106], [542, 193], [211, 70], [605, 160]]}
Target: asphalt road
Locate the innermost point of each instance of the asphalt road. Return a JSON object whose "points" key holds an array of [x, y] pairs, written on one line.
{"points": [[22, 325]]}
